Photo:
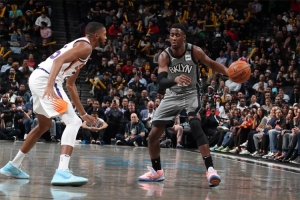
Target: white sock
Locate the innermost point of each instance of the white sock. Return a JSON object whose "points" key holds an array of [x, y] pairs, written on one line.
{"points": [[210, 168], [18, 159], [64, 161]]}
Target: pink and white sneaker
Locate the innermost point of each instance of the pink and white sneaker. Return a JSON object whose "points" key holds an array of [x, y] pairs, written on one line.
{"points": [[213, 178], [152, 175]]}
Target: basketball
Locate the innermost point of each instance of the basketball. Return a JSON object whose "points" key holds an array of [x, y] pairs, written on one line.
{"points": [[239, 72]]}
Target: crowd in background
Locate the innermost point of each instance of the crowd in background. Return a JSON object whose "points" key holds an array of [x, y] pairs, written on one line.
{"points": [[260, 117], [25, 41]]}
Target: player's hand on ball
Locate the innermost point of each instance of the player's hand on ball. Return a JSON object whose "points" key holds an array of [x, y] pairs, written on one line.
{"points": [[182, 80], [89, 119], [50, 94]]}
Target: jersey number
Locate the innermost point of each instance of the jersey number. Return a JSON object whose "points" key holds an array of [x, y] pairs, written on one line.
{"points": [[54, 55], [57, 53]]}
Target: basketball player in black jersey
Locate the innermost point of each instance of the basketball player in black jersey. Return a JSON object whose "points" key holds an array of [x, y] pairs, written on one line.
{"points": [[178, 74]]}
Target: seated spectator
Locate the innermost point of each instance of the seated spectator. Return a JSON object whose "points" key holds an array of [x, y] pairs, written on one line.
{"points": [[30, 49], [253, 102], [13, 74], [94, 132], [43, 18], [23, 117], [13, 14], [96, 107], [153, 87], [131, 109], [7, 132], [110, 96], [147, 115], [45, 31], [139, 61], [134, 132], [124, 104], [89, 104], [128, 29], [11, 95], [114, 30], [22, 92], [123, 52], [141, 79], [8, 65], [114, 115], [25, 69], [233, 86]]}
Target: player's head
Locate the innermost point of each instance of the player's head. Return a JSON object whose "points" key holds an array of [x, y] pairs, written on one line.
{"points": [[96, 33], [177, 35]]}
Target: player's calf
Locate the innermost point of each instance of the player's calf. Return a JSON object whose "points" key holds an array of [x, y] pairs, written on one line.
{"points": [[213, 178]]}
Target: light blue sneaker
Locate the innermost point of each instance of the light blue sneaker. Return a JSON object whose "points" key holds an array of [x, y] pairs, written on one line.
{"points": [[12, 171], [213, 148], [63, 177]]}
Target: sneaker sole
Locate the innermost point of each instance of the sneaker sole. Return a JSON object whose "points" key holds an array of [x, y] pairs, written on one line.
{"points": [[214, 182], [69, 183], [151, 180], [4, 173]]}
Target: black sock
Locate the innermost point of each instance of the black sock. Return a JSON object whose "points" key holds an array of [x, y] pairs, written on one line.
{"points": [[156, 164], [208, 161]]}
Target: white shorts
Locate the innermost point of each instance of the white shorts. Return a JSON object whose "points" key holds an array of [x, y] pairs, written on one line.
{"points": [[49, 108]]}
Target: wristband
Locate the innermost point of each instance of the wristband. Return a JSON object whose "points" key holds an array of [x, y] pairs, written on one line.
{"points": [[83, 115]]}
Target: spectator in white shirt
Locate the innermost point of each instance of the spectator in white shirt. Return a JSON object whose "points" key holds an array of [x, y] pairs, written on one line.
{"points": [[253, 102], [42, 18], [25, 67], [233, 86], [221, 59], [194, 30]]}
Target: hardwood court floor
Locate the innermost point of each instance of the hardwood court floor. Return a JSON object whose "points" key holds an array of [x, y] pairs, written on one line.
{"points": [[113, 172]]}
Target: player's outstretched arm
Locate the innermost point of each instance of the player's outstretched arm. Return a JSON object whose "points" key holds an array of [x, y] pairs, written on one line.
{"points": [[80, 50], [163, 81], [200, 56]]}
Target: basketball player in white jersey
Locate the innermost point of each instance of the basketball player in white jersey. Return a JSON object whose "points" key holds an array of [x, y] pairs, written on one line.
{"points": [[49, 100]]}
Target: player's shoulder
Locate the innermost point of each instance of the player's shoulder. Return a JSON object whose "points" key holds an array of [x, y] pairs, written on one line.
{"points": [[196, 48], [83, 42], [164, 55]]}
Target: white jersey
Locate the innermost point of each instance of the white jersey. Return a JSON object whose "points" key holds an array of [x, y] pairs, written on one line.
{"points": [[67, 69]]}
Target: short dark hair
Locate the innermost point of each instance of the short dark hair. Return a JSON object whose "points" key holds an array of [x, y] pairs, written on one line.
{"points": [[179, 26], [93, 27], [94, 112], [44, 23]]}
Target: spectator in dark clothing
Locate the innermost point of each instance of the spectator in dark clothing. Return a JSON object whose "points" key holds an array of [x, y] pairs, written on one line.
{"points": [[131, 109], [110, 97], [294, 96], [96, 107], [89, 103], [137, 86]]}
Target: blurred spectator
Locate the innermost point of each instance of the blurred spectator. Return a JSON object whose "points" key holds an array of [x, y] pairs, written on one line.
{"points": [[134, 132], [43, 18], [94, 132], [45, 31]]}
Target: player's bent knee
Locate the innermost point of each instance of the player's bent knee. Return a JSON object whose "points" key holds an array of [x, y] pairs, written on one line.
{"points": [[197, 131], [76, 122], [156, 131]]}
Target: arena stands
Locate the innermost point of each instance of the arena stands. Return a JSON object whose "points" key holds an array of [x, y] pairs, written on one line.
{"points": [[259, 117]]}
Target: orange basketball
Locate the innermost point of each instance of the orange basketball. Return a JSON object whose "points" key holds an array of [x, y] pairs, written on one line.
{"points": [[239, 72]]}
